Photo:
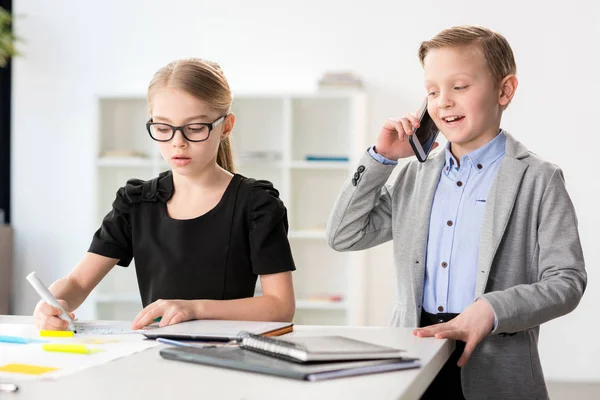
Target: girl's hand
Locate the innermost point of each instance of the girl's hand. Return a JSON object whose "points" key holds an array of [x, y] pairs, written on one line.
{"points": [[471, 326], [171, 312], [392, 142], [46, 316]]}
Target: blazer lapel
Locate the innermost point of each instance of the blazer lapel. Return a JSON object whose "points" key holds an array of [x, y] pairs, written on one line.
{"points": [[500, 202]]}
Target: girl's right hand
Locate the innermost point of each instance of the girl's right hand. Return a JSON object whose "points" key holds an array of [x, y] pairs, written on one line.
{"points": [[46, 316], [392, 142]]}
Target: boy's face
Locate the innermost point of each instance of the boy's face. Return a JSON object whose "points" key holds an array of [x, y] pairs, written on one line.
{"points": [[463, 99]]}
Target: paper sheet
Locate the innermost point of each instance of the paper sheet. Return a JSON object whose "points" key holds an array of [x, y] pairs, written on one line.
{"points": [[114, 339]]}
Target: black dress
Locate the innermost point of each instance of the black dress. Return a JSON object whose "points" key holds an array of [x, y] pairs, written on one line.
{"points": [[215, 256]]}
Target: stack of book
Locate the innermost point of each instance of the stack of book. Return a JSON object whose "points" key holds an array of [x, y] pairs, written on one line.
{"points": [[310, 358]]}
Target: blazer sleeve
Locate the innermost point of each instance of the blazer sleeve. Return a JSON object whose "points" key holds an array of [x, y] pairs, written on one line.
{"points": [[561, 277], [362, 215]]}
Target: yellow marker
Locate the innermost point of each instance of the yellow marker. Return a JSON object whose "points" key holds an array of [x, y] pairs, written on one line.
{"points": [[57, 333], [26, 369], [69, 348]]}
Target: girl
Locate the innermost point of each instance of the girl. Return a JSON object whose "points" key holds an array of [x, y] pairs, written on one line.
{"points": [[200, 234]]}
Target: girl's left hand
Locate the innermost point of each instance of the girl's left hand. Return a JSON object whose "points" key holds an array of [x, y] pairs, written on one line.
{"points": [[170, 311], [471, 326]]}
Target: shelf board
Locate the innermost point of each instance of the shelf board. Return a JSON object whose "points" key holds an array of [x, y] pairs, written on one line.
{"points": [[259, 163], [307, 234], [117, 298], [338, 165], [321, 305], [124, 162], [111, 298]]}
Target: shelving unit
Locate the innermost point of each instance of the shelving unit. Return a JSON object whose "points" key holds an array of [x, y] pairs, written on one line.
{"points": [[272, 139]]}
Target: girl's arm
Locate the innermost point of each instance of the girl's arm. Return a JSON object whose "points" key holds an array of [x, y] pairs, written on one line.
{"points": [[276, 304], [73, 289]]}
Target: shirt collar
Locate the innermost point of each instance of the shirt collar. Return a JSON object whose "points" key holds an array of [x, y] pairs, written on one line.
{"points": [[480, 158]]}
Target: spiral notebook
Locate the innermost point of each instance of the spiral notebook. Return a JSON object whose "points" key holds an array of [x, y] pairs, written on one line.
{"points": [[307, 349]]}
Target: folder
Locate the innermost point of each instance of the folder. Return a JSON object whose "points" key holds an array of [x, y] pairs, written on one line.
{"points": [[244, 360]]}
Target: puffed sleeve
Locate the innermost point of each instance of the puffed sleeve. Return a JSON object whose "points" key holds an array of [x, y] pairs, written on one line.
{"points": [[270, 250], [113, 239]]}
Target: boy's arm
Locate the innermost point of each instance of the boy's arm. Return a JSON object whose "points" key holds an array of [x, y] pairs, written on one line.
{"points": [[562, 276], [362, 215]]}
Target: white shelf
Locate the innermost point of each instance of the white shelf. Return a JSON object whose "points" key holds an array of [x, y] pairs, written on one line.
{"points": [[286, 128], [124, 162], [307, 234], [321, 305], [343, 165]]}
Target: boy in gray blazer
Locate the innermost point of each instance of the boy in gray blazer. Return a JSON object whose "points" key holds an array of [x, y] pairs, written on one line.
{"points": [[485, 236]]}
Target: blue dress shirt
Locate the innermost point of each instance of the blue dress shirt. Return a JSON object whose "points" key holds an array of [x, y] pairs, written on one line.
{"points": [[455, 226]]}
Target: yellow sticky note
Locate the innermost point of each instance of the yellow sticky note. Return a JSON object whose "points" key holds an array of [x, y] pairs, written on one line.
{"points": [[69, 348], [26, 369], [57, 333]]}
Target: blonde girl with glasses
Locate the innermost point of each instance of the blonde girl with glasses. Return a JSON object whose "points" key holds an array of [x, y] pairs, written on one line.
{"points": [[201, 235]]}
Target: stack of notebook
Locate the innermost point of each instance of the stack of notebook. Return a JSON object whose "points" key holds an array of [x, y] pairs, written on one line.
{"points": [[311, 358]]}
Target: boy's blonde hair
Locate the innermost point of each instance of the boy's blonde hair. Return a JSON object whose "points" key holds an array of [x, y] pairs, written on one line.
{"points": [[204, 80], [494, 47]]}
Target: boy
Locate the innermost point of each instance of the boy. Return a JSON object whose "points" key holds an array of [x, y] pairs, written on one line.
{"points": [[485, 236]]}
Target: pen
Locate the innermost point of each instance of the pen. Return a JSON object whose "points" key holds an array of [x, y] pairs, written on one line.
{"points": [[18, 340], [8, 387], [49, 298]]}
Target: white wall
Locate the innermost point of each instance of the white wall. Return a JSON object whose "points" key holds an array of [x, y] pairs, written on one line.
{"points": [[76, 50]]}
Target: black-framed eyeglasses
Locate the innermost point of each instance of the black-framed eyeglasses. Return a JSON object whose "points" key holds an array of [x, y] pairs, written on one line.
{"points": [[196, 132]]}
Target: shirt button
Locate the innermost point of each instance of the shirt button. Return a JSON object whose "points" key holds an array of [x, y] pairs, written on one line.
{"points": [[440, 308], [444, 264], [354, 182], [361, 168], [479, 166], [447, 168], [449, 223], [356, 175], [459, 183]]}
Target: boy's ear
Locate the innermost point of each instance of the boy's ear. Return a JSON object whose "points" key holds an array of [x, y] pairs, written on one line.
{"points": [[228, 125], [508, 87]]}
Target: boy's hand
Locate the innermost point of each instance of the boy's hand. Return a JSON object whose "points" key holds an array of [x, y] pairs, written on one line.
{"points": [[471, 326], [392, 142], [46, 316], [171, 312]]}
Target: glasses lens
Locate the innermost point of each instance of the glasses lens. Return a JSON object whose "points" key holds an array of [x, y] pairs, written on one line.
{"points": [[196, 132], [161, 131]]}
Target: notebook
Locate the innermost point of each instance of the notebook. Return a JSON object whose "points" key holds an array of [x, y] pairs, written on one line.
{"points": [[317, 348], [244, 360], [217, 330]]}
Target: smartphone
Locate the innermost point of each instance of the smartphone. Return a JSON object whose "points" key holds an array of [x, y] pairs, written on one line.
{"points": [[424, 136]]}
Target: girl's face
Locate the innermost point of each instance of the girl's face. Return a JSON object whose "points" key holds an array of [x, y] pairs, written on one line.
{"points": [[177, 108]]}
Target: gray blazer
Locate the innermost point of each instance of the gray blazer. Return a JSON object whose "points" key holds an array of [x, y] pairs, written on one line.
{"points": [[530, 270]]}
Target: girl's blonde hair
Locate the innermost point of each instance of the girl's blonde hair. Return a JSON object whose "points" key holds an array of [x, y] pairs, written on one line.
{"points": [[204, 80]]}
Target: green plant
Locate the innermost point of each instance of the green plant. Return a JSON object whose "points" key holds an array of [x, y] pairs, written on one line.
{"points": [[7, 38]]}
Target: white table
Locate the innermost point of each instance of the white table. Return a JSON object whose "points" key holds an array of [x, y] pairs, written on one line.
{"points": [[148, 376]]}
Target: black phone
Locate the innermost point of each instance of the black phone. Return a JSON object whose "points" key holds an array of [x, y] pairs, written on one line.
{"points": [[424, 136]]}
